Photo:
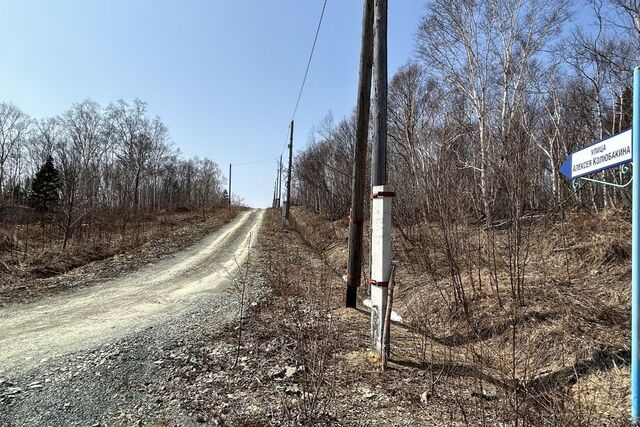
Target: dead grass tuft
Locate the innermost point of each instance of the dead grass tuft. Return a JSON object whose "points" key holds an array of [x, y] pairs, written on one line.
{"points": [[554, 358]]}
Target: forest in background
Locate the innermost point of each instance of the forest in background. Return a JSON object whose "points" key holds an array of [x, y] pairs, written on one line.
{"points": [[496, 95], [93, 176]]}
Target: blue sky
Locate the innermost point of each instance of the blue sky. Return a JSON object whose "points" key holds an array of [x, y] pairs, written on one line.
{"points": [[223, 75]]}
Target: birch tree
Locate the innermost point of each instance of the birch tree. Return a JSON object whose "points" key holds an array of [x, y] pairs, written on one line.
{"points": [[13, 130]]}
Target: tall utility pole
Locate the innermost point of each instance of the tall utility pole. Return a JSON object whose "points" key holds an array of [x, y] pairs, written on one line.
{"points": [[354, 266], [229, 187], [380, 195], [288, 201], [379, 149]]}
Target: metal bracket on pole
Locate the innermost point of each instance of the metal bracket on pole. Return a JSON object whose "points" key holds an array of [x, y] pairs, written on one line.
{"points": [[624, 169]]}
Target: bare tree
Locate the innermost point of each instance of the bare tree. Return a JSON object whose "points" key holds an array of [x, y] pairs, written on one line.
{"points": [[466, 43], [631, 8], [79, 155], [13, 129]]}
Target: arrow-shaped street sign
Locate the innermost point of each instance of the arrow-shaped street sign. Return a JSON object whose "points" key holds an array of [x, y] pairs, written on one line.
{"points": [[605, 154]]}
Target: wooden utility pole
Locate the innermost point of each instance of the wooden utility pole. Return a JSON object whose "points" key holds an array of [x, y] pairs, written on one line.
{"points": [[275, 190], [354, 266], [280, 181], [229, 187], [381, 196], [288, 201], [379, 151]]}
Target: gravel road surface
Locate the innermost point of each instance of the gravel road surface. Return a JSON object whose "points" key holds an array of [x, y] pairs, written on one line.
{"points": [[68, 359]]}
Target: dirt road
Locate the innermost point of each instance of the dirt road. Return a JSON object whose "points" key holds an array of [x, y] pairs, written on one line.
{"points": [[116, 308]]}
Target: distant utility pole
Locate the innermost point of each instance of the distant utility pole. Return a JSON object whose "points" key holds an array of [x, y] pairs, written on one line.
{"points": [[356, 216], [280, 181], [275, 190], [381, 196], [288, 201], [229, 187]]}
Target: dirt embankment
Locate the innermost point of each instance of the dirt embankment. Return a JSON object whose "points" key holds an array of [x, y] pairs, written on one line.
{"points": [[29, 275], [545, 340]]}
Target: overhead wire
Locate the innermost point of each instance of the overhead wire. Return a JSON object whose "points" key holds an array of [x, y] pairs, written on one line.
{"points": [[252, 162], [300, 92], [306, 71]]}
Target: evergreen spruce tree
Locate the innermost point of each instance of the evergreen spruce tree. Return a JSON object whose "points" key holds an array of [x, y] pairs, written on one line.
{"points": [[45, 189]]}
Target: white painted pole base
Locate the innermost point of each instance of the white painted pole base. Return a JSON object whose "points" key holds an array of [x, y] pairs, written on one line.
{"points": [[380, 261]]}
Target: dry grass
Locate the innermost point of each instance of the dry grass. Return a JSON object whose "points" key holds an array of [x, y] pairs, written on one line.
{"points": [[557, 359], [30, 264]]}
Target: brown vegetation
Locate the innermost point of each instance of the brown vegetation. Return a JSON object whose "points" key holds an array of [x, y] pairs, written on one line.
{"points": [[93, 170], [30, 269], [510, 279], [561, 358], [92, 183]]}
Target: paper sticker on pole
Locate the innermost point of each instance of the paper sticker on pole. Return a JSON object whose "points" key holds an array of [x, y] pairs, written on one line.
{"points": [[605, 154]]}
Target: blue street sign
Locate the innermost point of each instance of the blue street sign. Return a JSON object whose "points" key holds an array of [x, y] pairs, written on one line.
{"points": [[605, 154]]}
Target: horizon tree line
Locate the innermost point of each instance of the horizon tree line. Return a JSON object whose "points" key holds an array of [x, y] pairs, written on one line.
{"points": [[113, 163]]}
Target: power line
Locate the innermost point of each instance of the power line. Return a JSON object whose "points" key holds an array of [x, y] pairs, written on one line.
{"points": [[290, 130], [255, 161], [306, 71], [304, 81], [313, 48]]}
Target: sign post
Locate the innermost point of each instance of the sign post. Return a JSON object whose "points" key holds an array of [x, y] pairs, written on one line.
{"points": [[608, 153], [635, 253]]}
